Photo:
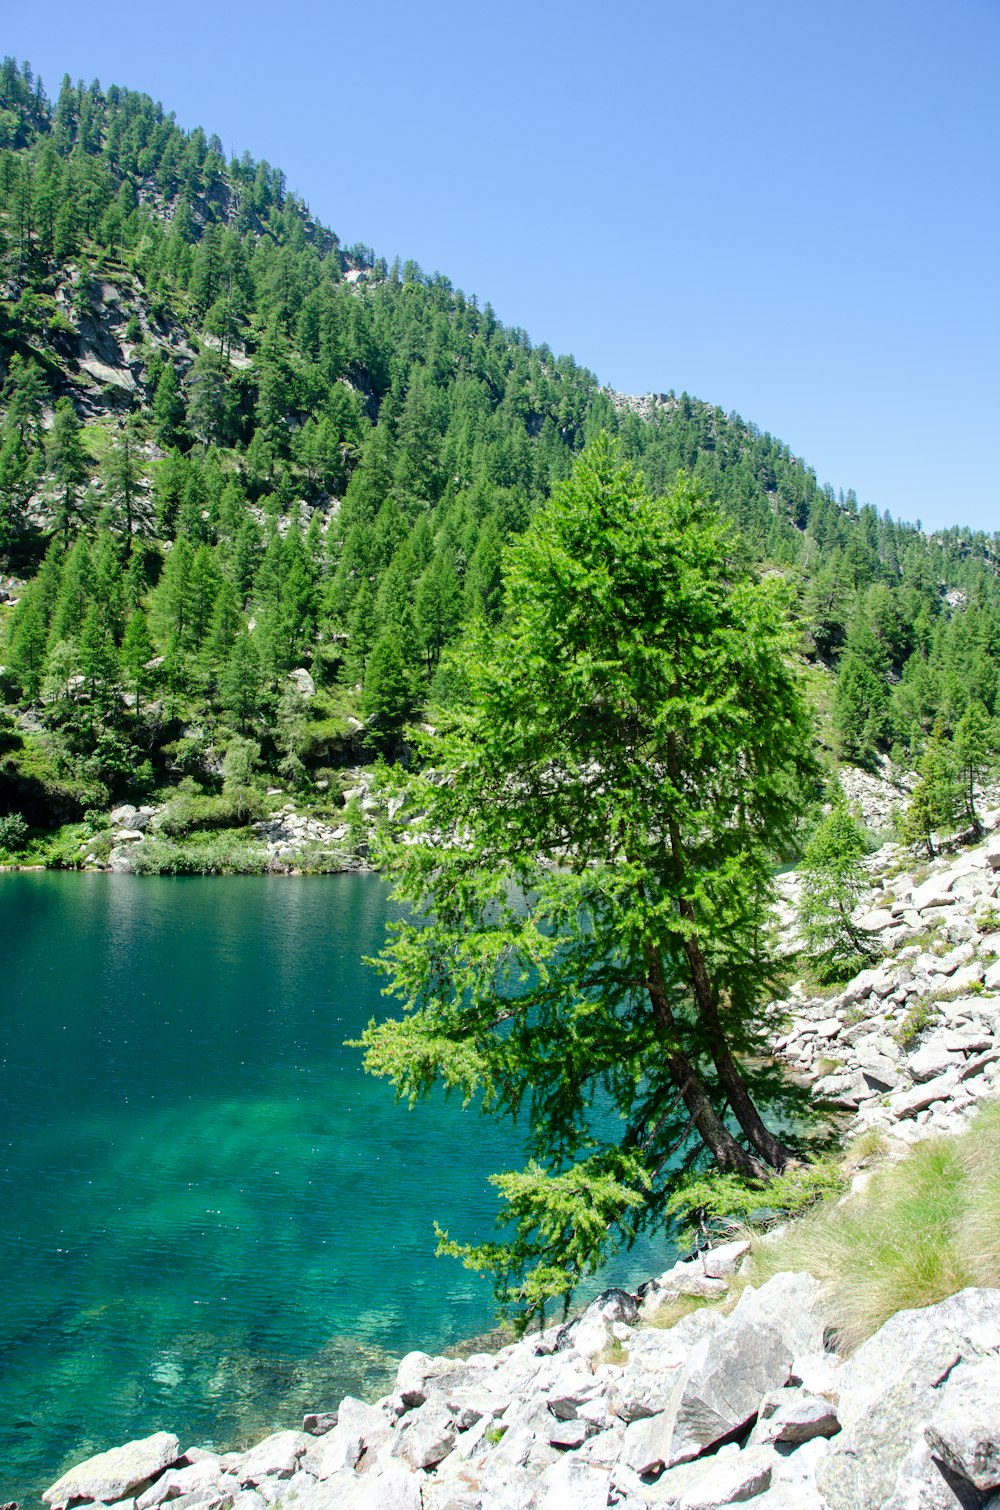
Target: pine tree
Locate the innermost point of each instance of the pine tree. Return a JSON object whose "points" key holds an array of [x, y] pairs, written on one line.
{"points": [[168, 407], [976, 749], [68, 461], [934, 800], [594, 863], [137, 651], [387, 698], [834, 881]]}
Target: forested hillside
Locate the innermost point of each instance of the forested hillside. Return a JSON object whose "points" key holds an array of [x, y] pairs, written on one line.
{"points": [[253, 484]]}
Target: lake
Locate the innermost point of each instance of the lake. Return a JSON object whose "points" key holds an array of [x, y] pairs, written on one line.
{"points": [[212, 1219]]}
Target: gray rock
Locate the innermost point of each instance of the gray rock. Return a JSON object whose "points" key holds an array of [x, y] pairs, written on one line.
{"points": [[275, 1457], [789, 1303], [717, 1394], [204, 1474], [362, 1420], [920, 1484], [964, 1427], [393, 1487], [935, 892], [730, 1481], [726, 1376], [929, 1062], [615, 1305], [796, 1420], [574, 1484], [908, 1103], [888, 1391], [319, 1422], [425, 1437], [724, 1259], [332, 1453], [969, 975], [570, 1433], [301, 679], [876, 920], [115, 1474]]}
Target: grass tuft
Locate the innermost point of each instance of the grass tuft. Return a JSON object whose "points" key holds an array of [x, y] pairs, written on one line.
{"points": [[921, 1230]]}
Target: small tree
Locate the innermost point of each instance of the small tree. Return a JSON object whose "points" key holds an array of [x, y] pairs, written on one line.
{"points": [[834, 881], [291, 734], [68, 460], [387, 698], [137, 651], [975, 746], [240, 782], [935, 797]]}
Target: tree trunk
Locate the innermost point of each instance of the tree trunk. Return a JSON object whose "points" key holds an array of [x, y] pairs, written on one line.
{"points": [[767, 1145], [714, 1133]]}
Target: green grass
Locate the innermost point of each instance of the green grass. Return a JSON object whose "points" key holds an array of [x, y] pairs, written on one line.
{"points": [[921, 1230], [673, 1311], [211, 854], [918, 1017]]}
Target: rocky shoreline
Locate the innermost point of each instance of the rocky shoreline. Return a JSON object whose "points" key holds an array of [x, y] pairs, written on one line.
{"points": [[741, 1401], [753, 1405]]}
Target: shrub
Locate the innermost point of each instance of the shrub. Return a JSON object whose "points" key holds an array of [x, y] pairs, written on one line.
{"points": [[213, 855], [13, 832]]}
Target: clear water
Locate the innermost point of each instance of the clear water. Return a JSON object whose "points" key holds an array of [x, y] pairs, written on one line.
{"points": [[210, 1219]]}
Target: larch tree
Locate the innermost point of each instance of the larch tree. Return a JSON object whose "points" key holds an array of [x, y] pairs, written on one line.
{"points": [[588, 884]]}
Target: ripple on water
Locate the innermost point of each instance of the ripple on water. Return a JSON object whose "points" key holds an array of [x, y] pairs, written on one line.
{"points": [[213, 1220]]}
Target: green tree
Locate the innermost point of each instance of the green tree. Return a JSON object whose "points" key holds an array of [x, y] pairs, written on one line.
{"points": [[934, 800], [68, 461], [240, 779], [834, 881], [137, 651], [125, 481], [975, 747], [240, 683], [98, 659], [387, 697], [861, 697], [168, 406], [594, 865]]}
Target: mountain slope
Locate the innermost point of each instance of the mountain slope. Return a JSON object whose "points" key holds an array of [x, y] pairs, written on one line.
{"points": [[231, 450]]}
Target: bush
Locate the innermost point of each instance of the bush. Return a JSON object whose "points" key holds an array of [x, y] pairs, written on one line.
{"points": [[13, 832], [712, 1201], [190, 814], [213, 855]]}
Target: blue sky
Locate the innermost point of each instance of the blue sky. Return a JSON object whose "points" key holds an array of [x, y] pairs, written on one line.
{"points": [[788, 208]]}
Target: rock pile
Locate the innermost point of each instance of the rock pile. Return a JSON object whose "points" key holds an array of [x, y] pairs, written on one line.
{"points": [[289, 835], [749, 1406], [912, 1044], [878, 798]]}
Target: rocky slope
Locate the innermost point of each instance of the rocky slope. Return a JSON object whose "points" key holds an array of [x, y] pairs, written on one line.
{"points": [[913, 1044]]}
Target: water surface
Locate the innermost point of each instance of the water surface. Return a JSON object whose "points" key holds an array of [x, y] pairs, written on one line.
{"points": [[212, 1220]]}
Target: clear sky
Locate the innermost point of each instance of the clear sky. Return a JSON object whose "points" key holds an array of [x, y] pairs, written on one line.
{"points": [[787, 207]]}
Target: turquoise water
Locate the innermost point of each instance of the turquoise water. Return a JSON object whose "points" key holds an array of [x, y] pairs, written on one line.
{"points": [[212, 1220]]}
